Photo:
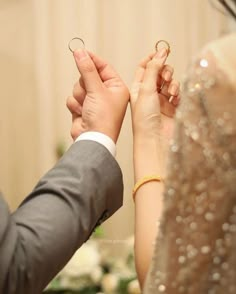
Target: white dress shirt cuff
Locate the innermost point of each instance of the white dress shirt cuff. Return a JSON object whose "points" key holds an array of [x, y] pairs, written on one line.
{"points": [[99, 138]]}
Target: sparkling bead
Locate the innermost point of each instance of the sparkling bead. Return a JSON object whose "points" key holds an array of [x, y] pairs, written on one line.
{"points": [[193, 226], [195, 136], [174, 148], [162, 288], [182, 259], [171, 192], [216, 260], [216, 277], [220, 122], [205, 249], [209, 216], [178, 219], [203, 63], [201, 186], [178, 241], [225, 227]]}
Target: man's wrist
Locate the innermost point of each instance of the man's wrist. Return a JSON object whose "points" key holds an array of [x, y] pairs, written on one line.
{"points": [[100, 138]]}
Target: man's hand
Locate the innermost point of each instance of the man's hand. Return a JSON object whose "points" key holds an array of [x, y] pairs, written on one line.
{"points": [[99, 99]]}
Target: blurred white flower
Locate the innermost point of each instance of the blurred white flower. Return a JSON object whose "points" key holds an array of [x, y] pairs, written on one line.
{"points": [[83, 261], [133, 287], [121, 268], [65, 282], [94, 265], [109, 283], [96, 274]]}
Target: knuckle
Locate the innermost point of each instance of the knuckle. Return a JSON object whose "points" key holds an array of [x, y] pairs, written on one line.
{"points": [[152, 64], [72, 104], [145, 90], [76, 89], [156, 65], [169, 68], [72, 133], [69, 102], [87, 66], [176, 83]]}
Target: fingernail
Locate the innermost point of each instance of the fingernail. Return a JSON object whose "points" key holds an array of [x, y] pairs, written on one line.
{"points": [[175, 101], [80, 54], [174, 90], [161, 53], [167, 76], [171, 99]]}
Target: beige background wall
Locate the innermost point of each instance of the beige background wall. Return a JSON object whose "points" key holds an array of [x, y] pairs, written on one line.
{"points": [[37, 74]]}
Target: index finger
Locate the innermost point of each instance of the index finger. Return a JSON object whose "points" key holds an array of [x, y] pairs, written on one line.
{"points": [[138, 77], [141, 68], [152, 71]]}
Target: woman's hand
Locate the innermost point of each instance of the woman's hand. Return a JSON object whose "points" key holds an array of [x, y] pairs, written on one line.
{"points": [[154, 97]]}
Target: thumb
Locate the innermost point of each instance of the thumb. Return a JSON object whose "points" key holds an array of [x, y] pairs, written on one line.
{"points": [[88, 71]]}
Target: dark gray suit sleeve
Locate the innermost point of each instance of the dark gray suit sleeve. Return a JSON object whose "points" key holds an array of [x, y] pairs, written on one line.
{"points": [[82, 190]]}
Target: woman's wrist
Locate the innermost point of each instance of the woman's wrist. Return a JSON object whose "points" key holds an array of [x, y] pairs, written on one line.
{"points": [[146, 134], [147, 161], [148, 149], [149, 157]]}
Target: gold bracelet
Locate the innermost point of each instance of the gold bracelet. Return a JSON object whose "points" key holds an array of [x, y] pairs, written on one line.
{"points": [[145, 180]]}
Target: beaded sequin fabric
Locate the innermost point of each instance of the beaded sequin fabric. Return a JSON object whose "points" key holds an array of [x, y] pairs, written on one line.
{"points": [[195, 250]]}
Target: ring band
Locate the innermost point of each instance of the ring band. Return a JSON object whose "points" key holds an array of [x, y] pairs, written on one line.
{"points": [[166, 43], [71, 41]]}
